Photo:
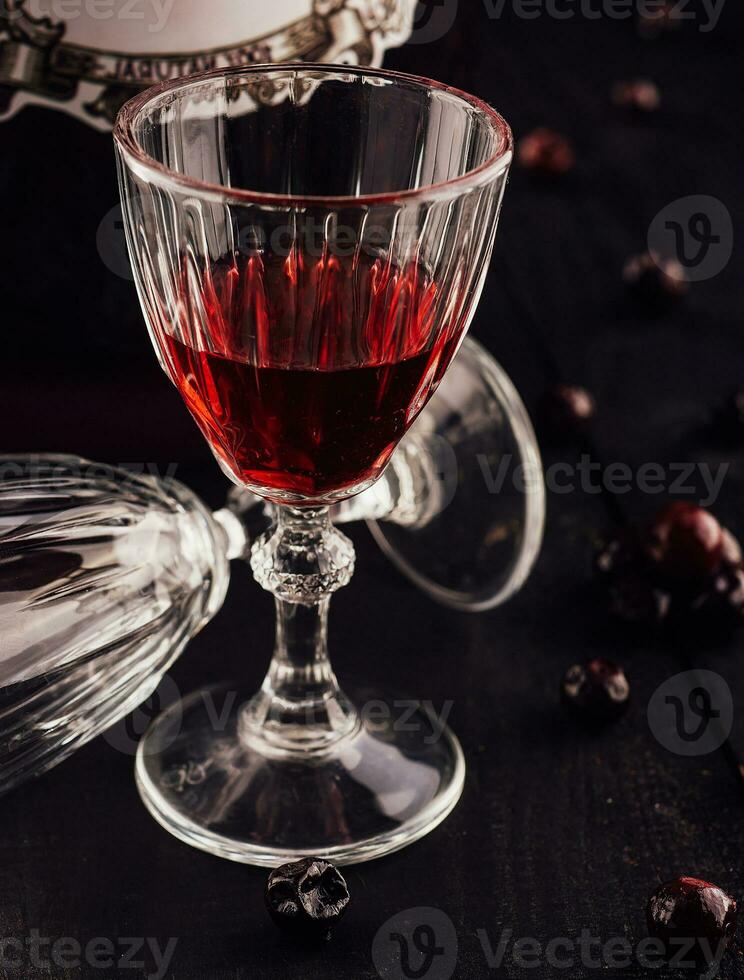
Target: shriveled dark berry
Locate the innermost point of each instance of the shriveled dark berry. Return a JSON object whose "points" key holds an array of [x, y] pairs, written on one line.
{"points": [[686, 542], [306, 898], [596, 691], [657, 282], [690, 910], [635, 599], [566, 413], [720, 607], [729, 418], [656, 21], [640, 95], [731, 553], [683, 572], [546, 153], [622, 566]]}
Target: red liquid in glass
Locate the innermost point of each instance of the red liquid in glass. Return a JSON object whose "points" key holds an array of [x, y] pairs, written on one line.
{"points": [[310, 371]]}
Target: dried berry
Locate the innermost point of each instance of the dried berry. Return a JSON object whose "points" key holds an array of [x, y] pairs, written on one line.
{"points": [[640, 95], [720, 608], [694, 919], [655, 280], [685, 543], [597, 691], [546, 153], [635, 599], [566, 413], [684, 572], [306, 898], [731, 553]]}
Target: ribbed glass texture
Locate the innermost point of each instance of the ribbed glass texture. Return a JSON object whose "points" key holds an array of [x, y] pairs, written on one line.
{"points": [[104, 576], [309, 247]]}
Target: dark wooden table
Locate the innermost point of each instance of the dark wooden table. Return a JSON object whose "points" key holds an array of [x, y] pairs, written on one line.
{"points": [[558, 831]]}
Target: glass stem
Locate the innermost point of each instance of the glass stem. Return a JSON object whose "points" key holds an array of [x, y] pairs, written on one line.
{"points": [[301, 669], [300, 708]]}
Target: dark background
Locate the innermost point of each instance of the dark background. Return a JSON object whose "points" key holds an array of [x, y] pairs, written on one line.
{"points": [[557, 830]]}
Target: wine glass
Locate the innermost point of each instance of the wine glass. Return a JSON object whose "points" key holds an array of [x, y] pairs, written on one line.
{"points": [[309, 245]]}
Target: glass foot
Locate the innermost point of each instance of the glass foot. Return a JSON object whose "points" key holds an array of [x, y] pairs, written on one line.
{"points": [[380, 786]]}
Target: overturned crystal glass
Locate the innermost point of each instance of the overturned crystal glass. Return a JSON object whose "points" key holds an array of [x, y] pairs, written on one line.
{"points": [[104, 578], [309, 246]]}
